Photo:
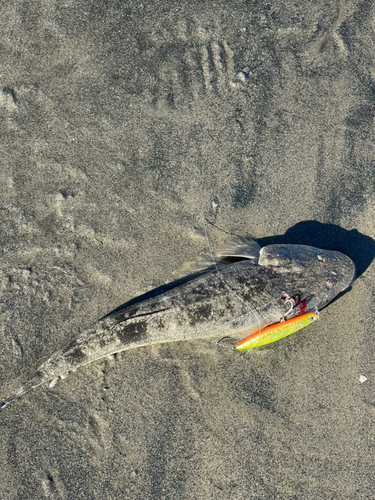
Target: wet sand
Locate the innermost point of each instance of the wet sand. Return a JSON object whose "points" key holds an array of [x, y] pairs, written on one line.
{"points": [[121, 124]]}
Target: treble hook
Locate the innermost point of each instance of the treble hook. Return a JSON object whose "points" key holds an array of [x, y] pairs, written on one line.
{"points": [[291, 301]]}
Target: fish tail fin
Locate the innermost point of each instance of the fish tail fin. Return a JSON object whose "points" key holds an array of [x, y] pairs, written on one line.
{"points": [[31, 384]]}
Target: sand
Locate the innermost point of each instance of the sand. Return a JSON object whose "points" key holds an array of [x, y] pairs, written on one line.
{"points": [[121, 124]]}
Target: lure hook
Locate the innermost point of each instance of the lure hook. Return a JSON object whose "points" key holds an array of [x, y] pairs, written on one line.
{"points": [[218, 344]]}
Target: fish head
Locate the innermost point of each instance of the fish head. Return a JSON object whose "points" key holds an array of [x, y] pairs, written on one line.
{"points": [[312, 274]]}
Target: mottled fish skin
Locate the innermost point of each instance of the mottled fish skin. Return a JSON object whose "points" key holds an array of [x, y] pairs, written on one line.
{"points": [[239, 299]]}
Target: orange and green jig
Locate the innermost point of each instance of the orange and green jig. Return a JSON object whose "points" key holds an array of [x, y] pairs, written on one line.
{"points": [[277, 331]]}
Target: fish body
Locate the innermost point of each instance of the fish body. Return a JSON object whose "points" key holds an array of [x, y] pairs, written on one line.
{"points": [[232, 298], [276, 332]]}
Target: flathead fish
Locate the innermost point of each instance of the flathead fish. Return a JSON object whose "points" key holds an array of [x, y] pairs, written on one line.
{"points": [[241, 294]]}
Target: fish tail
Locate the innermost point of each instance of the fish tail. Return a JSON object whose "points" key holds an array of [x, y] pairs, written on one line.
{"points": [[31, 384]]}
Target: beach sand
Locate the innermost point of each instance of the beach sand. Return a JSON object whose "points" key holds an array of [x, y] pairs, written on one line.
{"points": [[122, 123]]}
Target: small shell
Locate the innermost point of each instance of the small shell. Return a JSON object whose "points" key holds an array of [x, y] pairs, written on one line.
{"points": [[53, 382]]}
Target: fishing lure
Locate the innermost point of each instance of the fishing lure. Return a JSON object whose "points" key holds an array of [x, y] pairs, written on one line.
{"points": [[277, 331]]}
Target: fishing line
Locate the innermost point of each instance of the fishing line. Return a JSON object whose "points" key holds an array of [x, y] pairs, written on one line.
{"points": [[223, 280]]}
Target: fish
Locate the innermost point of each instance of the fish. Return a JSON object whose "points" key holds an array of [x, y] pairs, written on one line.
{"points": [[240, 293], [276, 332]]}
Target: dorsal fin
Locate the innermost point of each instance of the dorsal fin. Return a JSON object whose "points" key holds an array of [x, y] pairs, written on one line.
{"points": [[240, 248], [237, 248]]}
